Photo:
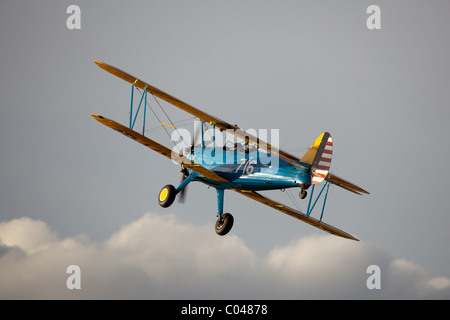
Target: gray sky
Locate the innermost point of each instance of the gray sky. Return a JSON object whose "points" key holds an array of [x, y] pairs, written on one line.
{"points": [[302, 67]]}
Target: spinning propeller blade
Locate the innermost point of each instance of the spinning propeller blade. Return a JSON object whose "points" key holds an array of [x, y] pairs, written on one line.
{"points": [[184, 172], [182, 193]]}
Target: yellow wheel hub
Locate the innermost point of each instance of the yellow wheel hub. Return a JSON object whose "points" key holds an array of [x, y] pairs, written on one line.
{"points": [[163, 194]]}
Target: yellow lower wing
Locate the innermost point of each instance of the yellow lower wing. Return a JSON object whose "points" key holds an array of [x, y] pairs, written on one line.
{"points": [[296, 214], [155, 146]]}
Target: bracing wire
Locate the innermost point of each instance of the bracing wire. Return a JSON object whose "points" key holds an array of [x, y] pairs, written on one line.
{"points": [[293, 199], [177, 124], [168, 118]]}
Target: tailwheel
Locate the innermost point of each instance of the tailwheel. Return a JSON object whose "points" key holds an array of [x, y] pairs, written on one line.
{"points": [[224, 223], [302, 194], [167, 196]]}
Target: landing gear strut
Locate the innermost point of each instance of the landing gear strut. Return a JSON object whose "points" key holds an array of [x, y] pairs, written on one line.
{"points": [[224, 221], [168, 193]]}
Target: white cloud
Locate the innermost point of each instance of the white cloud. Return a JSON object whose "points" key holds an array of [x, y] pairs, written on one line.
{"points": [[30, 235], [157, 256]]}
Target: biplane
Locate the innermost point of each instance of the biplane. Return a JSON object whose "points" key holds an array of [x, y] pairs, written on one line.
{"points": [[238, 167]]}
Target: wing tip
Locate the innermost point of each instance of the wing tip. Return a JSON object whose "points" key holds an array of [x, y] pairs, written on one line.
{"points": [[96, 116], [103, 65], [352, 238], [345, 184]]}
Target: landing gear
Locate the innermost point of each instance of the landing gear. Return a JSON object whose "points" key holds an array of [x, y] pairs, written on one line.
{"points": [[224, 220], [167, 196], [168, 193], [302, 194], [224, 223]]}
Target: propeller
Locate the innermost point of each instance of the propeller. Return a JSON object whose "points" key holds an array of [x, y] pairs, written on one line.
{"points": [[182, 193], [184, 171], [197, 128]]}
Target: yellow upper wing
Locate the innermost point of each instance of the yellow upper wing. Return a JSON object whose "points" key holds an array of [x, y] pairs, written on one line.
{"points": [[233, 129], [166, 97], [222, 125]]}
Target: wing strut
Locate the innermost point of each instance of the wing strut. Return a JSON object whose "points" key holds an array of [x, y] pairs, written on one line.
{"points": [[310, 209], [133, 121], [180, 159], [143, 101], [222, 125]]}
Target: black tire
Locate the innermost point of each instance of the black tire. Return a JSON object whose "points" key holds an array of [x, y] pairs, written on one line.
{"points": [[167, 195], [224, 224], [302, 194]]}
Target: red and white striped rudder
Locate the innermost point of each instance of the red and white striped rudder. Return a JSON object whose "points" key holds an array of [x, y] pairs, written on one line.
{"points": [[322, 162], [319, 156]]}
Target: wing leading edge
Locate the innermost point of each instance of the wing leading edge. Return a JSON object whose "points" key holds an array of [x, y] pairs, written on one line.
{"points": [[296, 214]]}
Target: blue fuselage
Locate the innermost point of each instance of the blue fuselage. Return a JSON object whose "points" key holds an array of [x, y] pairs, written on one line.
{"points": [[248, 168]]}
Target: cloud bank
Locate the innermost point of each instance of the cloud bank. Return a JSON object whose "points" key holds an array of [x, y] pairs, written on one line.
{"points": [[159, 257]]}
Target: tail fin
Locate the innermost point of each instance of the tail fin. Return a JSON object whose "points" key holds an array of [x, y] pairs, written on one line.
{"points": [[319, 157]]}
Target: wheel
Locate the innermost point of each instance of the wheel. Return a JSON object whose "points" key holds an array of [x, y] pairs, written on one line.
{"points": [[167, 196], [302, 194], [224, 224]]}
